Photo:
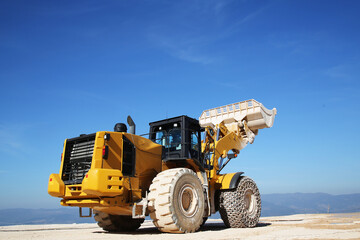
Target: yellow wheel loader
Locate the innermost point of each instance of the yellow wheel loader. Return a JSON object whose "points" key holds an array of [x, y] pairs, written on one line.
{"points": [[173, 174]]}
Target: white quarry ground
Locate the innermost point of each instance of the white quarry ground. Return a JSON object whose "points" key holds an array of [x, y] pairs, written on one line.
{"points": [[306, 226]]}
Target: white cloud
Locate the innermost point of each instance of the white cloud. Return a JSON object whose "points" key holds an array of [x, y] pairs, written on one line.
{"points": [[11, 139], [345, 72], [192, 40], [187, 49]]}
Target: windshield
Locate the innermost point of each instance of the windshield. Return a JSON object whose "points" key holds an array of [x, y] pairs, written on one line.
{"points": [[171, 139], [161, 138], [175, 139]]}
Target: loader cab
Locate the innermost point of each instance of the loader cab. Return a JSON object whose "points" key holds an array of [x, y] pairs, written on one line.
{"points": [[179, 136]]}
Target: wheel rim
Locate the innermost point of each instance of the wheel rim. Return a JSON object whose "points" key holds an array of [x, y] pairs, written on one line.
{"points": [[188, 200], [250, 202]]}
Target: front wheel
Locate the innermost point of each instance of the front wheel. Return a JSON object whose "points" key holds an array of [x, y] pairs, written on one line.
{"points": [[241, 207], [176, 201]]}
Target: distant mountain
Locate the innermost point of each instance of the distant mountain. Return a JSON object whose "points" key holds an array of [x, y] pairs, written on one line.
{"points": [[297, 203], [20, 216], [272, 205]]}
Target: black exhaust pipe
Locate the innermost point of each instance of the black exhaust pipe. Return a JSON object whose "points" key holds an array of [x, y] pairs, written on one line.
{"points": [[131, 125]]}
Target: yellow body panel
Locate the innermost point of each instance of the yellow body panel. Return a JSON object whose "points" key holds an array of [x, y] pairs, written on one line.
{"points": [[103, 182], [104, 187], [223, 181], [56, 186]]}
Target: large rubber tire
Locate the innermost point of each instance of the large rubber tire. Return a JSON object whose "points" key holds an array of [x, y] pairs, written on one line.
{"points": [[241, 207], [176, 201], [117, 223]]}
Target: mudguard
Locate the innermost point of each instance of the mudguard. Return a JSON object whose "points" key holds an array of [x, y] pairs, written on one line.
{"points": [[228, 180]]}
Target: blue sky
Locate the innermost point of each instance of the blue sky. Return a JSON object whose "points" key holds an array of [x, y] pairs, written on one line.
{"points": [[72, 67]]}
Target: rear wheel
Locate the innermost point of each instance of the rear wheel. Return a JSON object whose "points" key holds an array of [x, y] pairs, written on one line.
{"points": [[176, 201], [204, 221], [117, 223], [241, 207]]}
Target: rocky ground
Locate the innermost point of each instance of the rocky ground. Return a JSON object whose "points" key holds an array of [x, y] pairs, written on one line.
{"points": [[307, 226]]}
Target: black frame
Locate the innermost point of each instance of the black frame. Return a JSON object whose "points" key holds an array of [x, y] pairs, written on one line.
{"points": [[129, 156], [187, 126]]}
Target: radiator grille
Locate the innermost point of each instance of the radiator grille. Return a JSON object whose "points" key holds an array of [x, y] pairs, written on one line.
{"points": [[77, 159]]}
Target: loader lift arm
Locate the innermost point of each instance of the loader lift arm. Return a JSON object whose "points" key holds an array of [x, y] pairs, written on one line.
{"points": [[232, 127]]}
